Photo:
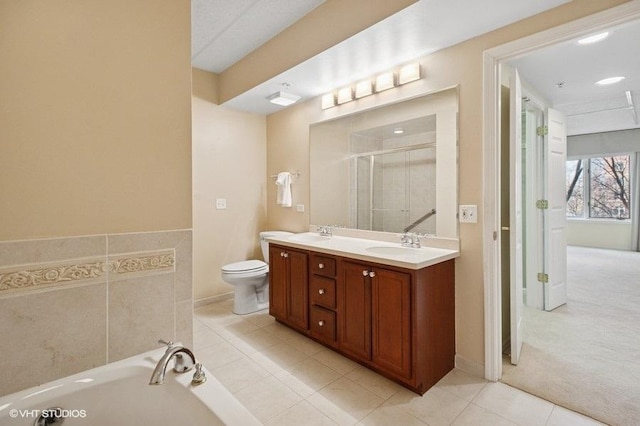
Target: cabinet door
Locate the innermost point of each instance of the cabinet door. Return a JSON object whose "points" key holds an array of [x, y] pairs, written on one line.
{"points": [[355, 310], [298, 288], [278, 277], [391, 321]]}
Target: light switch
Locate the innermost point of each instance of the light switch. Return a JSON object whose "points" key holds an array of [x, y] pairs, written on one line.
{"points": [[300, 208], [221, 203], [468, 214]]}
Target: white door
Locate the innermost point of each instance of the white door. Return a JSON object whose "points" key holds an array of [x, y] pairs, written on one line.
{"points": [[515, 214], [555, 216]]}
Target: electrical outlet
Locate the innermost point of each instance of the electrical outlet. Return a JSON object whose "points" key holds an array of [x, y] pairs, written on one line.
{"points": [[300, 208], [468, 214], [221, 203]]}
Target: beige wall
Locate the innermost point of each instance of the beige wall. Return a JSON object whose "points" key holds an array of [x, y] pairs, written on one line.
{"points": [[229, 161], [95, 147], [287, 147], [95, 129]]}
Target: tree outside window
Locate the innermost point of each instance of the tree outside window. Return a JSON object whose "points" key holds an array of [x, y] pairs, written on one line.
{"points": [[607, 190]]}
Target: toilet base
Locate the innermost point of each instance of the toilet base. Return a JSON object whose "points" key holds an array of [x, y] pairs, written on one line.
{"points": [[247, 300]]}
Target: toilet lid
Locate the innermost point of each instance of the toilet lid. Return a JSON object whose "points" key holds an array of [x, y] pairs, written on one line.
{"points": [[244, 266]]}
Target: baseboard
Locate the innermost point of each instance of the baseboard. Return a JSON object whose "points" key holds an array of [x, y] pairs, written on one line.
{"points": [[213, 299], [470, 367]]}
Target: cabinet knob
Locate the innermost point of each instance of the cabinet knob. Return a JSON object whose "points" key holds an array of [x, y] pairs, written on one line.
{"points": [[321, 323], [321, 266], [372, 274], [321, 291], [365, 273], [285, 254], [281, 254]]}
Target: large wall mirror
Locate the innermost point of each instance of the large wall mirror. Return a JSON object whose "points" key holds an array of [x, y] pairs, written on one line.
{"points": [[390, 169]]}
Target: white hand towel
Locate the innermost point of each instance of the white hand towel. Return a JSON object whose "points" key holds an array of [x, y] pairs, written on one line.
{"points": [[283, 181]]}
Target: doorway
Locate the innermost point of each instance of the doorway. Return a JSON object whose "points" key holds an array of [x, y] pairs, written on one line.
{"points": [[491, 162], [493, 59]]}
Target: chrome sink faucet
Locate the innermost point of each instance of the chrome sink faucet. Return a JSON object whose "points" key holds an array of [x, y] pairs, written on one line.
{"points": [[410, 239], [325, 231], [182, 363]]}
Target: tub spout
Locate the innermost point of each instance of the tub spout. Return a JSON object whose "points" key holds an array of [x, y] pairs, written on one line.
{"points": [[182, 363]]}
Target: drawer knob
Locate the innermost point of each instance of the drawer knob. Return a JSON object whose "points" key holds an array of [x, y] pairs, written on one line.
{"points": [[321, 323], [321, 291], [321, 266], [365, 273], [372, 274]]}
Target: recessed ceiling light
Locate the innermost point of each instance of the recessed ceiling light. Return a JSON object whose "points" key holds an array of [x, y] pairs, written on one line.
{"points": [[610, 80], [560, 84], [398, 130], [594, 38]]}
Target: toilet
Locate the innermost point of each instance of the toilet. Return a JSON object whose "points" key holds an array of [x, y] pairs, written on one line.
{"points": [[250, 279]]}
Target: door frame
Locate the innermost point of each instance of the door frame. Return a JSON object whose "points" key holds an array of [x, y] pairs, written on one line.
{"points": [[492, 59]]}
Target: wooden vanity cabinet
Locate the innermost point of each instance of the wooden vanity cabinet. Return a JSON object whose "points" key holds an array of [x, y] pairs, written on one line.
{"points": [[399, 322], [288, 286]]}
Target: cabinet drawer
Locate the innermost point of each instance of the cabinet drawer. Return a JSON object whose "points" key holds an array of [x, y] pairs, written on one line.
{"points": [[323, 265], [322, 291], [323, 323]]}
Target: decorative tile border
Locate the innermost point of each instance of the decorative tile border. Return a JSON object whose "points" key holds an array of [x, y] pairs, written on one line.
{"points": [[140, 264], [37, 276]]}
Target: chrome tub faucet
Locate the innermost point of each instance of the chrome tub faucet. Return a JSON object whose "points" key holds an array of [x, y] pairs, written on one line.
{"points": [[182, 363]]}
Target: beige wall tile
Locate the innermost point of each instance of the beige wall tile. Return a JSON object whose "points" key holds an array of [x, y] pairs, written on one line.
{"points": [[141, 311], [51, 334], [184, 323], [51, 250]]}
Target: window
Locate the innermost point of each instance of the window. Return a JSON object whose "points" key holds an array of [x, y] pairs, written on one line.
{"points": [[607, 189]]}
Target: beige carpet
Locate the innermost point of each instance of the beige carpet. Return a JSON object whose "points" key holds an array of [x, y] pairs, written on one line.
{"points": [[585, 355]]}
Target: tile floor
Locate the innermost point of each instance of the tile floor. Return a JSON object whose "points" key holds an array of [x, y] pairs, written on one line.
{"points": [[284, 378]]}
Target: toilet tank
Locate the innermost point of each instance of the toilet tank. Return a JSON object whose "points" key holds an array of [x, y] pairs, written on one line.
{"points": [[265, 244]]}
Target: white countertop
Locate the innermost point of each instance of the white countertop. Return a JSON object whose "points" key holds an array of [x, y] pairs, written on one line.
{"points": [[368, 250]]}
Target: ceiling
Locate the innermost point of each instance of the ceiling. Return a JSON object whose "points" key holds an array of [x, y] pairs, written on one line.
{"points": [[589, 108], [223, 32]]}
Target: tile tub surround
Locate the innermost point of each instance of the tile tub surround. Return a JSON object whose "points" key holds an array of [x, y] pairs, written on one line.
{"points": [[71, 304]]}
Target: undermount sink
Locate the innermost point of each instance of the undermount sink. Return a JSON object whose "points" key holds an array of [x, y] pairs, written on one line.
{"points": [[392, 250], [308, 238]]}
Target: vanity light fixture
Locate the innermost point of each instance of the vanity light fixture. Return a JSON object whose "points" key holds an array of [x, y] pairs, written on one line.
{"points": [[283, 98], [345, 95], [385, 81], [409, 73], [328, 101], [594, 38], [364, 88], [610, 80]]}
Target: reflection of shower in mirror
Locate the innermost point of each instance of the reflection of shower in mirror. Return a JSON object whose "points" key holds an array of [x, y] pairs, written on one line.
{"points": [[394, 175]]}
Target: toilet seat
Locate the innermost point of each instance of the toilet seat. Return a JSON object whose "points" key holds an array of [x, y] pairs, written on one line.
{"points": [[246, 268]]}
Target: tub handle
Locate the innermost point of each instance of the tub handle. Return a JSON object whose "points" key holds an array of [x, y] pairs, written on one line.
{"points": [[198, 377]]}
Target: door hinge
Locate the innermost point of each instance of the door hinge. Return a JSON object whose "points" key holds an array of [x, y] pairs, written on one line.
{"points": [[542, 131], [542, 277], [542, 204]]}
